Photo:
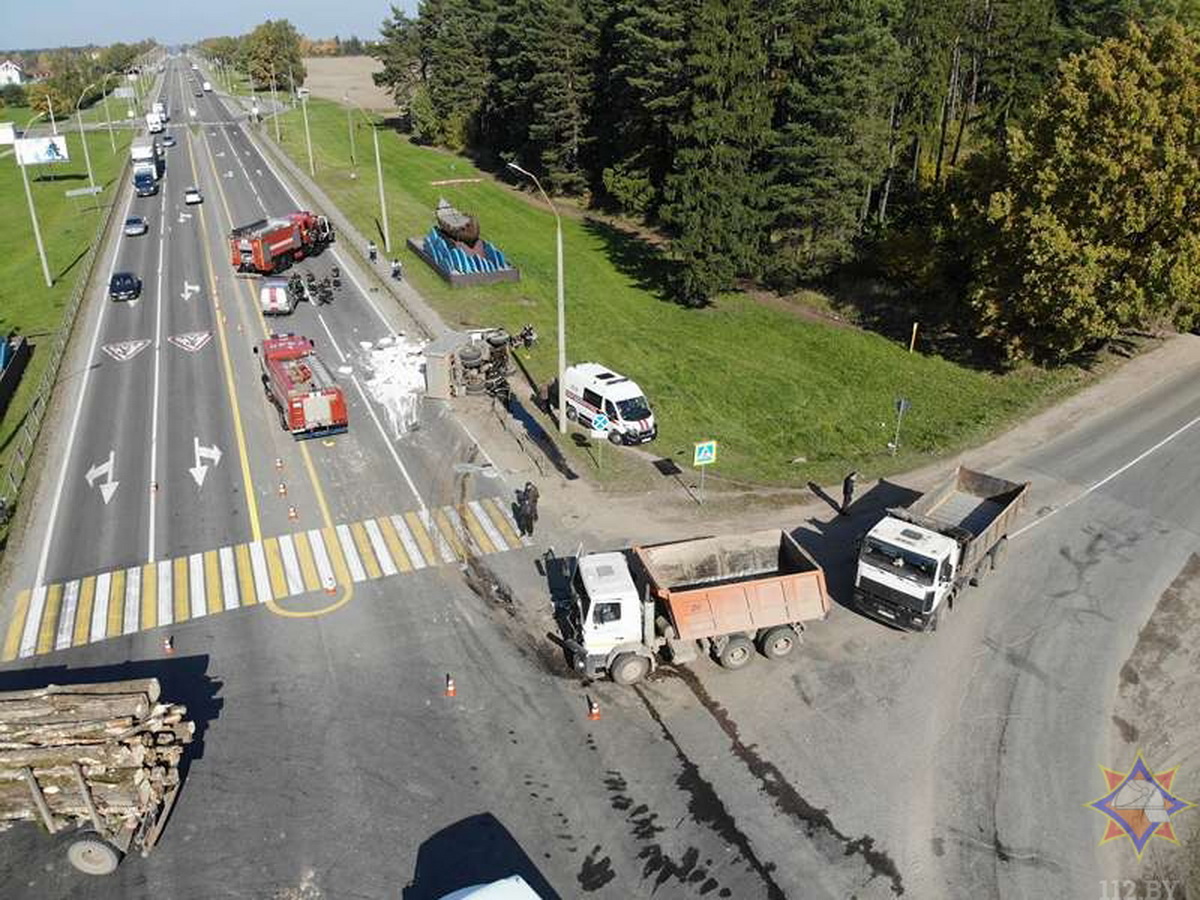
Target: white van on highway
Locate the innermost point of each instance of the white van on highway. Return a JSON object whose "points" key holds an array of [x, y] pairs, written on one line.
{"points": [[602, 400]]}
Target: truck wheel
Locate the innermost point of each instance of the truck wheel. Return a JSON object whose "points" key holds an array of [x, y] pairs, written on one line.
{"points": [[980, 573], [572, 415], [738, 651], [93, 856], [629, 668], [778, 642]]}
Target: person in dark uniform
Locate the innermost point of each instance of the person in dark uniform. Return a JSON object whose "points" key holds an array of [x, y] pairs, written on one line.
{"points": [[372, 251], [528, 509], [848, 492]]}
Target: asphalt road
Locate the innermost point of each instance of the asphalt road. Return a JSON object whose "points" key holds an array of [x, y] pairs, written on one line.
{"points": [[329, 763]]}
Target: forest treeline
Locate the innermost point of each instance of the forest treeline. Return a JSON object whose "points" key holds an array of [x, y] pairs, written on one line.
{"points": [[1022, 171]]}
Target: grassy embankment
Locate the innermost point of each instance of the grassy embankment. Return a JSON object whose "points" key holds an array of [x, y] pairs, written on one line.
{"points": [[789, 399], [68, 226]]}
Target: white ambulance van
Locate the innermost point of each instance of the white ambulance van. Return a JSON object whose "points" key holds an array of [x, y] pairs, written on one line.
{"points": [[599, 398]]}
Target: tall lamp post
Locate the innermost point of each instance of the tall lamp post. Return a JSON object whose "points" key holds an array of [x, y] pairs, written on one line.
{"points": [[275, 105], [107, 119], [349, 127], [307, 137], [87, 157], [37, 232], [383, 216], [562, 321]]}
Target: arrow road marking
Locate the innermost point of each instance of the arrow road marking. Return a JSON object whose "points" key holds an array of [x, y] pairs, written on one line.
{"points": [[190, 341], [108, 487], [184, 216], [219, 153], [188, 290], [123, 351], [199, 470], [258, 171], [229, 174]]}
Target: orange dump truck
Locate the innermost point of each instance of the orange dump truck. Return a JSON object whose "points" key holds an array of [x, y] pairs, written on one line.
{"points": [[724, 595], [310, 403]]}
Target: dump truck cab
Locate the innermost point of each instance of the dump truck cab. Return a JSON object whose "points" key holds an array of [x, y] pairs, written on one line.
{"points": [[610, 612], [911, 566]]}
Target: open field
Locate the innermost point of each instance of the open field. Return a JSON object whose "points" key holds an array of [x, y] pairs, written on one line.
{"points": [[68, 225], [332, 77], [789, 399]]}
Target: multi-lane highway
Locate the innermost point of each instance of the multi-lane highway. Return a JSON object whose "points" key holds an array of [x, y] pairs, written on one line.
{"points": [[330, 762]]}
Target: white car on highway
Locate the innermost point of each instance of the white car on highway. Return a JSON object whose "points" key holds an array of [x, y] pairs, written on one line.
{"points": [[192, 196], [135, 225]]}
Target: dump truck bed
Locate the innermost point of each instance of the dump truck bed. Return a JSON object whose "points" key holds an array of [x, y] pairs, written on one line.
{"points": [[721, 585]]}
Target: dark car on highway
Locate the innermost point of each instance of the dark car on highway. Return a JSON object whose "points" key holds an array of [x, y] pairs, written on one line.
{"points": [[124, 286]]}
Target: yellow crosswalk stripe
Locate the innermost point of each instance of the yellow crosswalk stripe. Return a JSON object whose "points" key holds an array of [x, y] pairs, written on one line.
{"points": [[279, 586], [500, 520], [340, 570], [49, 624], [149, 596], [12, 641], [212, 581], [116, 604], [179, 589], [246, 595], [477, 532], [363, 543], [449, 533], [83, 612], [395, 547], [308, 568], [422, 538]]}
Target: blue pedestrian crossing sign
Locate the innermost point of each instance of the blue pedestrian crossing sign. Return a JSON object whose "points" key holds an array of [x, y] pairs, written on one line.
{"points": [[705, 453], [599, 421]]}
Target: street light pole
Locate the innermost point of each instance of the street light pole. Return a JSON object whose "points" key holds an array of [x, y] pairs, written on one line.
{"points": [[307, 137], [349, 126], [387, 231], [562, 321], [87, 157], [275, 105], [107, 120], [37, 232]]}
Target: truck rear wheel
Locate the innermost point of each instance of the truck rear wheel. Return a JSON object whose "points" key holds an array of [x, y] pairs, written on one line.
{"points": [[737, 652], [778, 642], [93, 856], [629, 668]]}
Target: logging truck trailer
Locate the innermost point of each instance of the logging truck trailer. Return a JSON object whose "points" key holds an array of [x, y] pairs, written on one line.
{"points": [[97, 764], [724, 595], [309, 402], [269, 246]]}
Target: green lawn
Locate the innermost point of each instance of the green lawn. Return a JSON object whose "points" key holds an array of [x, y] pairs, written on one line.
{"points": [[68, 227], [788, 399]]}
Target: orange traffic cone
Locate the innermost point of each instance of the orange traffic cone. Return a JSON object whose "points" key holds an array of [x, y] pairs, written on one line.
{"points": [[278, 463], [330, 586], [292, 514], [451, 690], [168, 644], [593, 710], [282, 489]]}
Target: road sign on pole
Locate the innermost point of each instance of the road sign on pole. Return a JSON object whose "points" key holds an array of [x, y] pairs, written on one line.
{"points": [[84, 191], [704, 454]]}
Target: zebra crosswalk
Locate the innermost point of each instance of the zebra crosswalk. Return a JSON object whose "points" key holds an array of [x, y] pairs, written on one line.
{"points": [[123, 601]]}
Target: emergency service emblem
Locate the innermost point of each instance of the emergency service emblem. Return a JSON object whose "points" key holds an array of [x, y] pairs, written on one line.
{"points": [[1139, 805]]}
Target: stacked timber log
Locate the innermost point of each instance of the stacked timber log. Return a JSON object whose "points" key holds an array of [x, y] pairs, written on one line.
{"points": [[105, 755]]}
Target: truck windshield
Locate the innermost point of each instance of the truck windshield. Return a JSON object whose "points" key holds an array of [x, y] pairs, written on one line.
{"points": [[634, 409], [899, 561]]}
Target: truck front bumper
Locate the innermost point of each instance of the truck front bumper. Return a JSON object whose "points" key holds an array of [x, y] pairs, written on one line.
{"points": [[883, 610], [319, 432]]}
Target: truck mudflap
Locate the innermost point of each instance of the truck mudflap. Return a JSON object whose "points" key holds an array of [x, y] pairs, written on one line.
{"points": [[890, 613]]}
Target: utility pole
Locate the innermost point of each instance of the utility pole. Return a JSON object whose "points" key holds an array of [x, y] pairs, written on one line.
{"points": [[50, 107], [387, 231], [37, 232], [349, 126], [275, 107], [107, 120], [87, 157], [307, 137], [291, 86]]}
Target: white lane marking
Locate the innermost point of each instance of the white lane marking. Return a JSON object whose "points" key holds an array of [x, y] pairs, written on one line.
{"points": [[1106, 479], [188, 290], [380, 548], [262, 579], [357, 572], [100, 606], [229, 585], [291, 565], [409, 542], [153, 500], [108, 487], [33, 621], [439, 539], [489, 526], [332, 340], [66, 460], [166, 606], [478, 446], [391, 447], [324, 570], [199, 454], [66, 619], [196, 585], [133, 600], [249, 180]]}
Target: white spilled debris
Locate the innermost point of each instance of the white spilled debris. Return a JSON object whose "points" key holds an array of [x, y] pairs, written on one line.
{"points": [[395, 379]]}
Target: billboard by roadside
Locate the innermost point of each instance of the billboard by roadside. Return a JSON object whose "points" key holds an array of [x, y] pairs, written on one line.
{"points": [[36, 151], [7, 134]]}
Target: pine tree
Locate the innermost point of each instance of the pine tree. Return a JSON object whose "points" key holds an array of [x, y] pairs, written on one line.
{"points": [[714, 205], [832, 128]]}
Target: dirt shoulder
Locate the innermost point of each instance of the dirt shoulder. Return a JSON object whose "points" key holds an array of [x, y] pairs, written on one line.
{"points": [[335, 77]]}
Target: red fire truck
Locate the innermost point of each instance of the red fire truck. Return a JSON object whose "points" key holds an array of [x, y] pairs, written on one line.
{"points": [[271, 245], [309, 401]]}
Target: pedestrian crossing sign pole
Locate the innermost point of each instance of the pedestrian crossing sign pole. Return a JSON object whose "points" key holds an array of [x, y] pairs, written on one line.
{"points": [[703, 455]]}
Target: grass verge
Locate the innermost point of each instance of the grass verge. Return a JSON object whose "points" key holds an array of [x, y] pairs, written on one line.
{"points": [[789, 399]]}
